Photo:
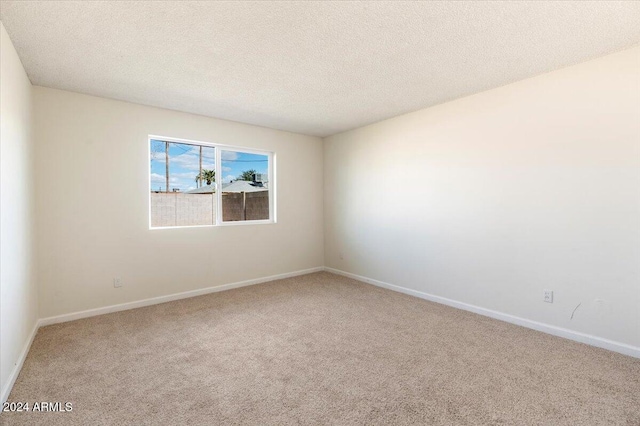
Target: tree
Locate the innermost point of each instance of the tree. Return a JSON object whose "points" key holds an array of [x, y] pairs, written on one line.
{"points": [[247, 175], [206, 175]]}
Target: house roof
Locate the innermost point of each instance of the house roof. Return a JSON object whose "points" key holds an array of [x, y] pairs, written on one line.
{"points": [[207, 189], [235, 186], [242, 186]]}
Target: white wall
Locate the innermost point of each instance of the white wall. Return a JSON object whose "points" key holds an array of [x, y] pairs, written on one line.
{"points": [[18, 292], [92, 200], [490, 199]]}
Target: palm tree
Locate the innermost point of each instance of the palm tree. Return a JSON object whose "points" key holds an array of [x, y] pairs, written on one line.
{"points": [[206, 175], [249, 175]]}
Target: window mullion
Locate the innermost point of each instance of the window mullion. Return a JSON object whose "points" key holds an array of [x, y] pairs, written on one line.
{"points": [[218, 157]]}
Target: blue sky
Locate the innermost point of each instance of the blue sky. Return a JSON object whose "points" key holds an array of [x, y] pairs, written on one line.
{"points": [[184, 164]]}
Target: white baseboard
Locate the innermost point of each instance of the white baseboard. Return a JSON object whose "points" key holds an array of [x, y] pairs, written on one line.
{"points": [[169, 298], [576, 336], [546, 328], [132, 305], [18, 365]]}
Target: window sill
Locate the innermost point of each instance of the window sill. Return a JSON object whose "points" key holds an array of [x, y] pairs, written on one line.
{"points": [[234, 223]]}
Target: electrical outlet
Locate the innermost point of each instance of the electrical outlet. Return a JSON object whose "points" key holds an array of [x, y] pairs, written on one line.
{"points": [[548, 296], [117, 282]]}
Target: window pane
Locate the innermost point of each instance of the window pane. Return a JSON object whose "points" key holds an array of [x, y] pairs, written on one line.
{"points": [[245, 186], [182, 189]]}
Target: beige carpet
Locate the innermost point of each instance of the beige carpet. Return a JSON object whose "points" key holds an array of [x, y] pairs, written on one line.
{"points": [[319, 349]]}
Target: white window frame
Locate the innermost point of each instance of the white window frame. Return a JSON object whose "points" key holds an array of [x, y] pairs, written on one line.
{"points": [[271, 171]]}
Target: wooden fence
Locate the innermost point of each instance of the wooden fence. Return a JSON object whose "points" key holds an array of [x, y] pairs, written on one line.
{"points": [[180, 209]]}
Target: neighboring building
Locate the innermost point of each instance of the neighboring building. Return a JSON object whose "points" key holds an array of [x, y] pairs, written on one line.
{"points": [[244, 186], [207, 189], [235, 186]]}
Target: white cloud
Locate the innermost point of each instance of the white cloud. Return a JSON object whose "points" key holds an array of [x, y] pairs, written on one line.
{"points": [[157, 178], [228, 178], [226, 169], [195, 150], [184, 181], [197, 167], [183, 166], [158, 156], [185, 175], [184, 160], [229, 155], [191, 162], [174, 181]]}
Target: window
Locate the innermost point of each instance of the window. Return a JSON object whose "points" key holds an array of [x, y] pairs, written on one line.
{"points": [[201, 184]]}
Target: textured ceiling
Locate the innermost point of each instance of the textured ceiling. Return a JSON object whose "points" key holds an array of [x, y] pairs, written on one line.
{"points": [[317, 68]]}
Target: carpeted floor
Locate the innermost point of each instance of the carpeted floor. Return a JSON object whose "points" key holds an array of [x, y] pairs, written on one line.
{"points": [[319, 349]]}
